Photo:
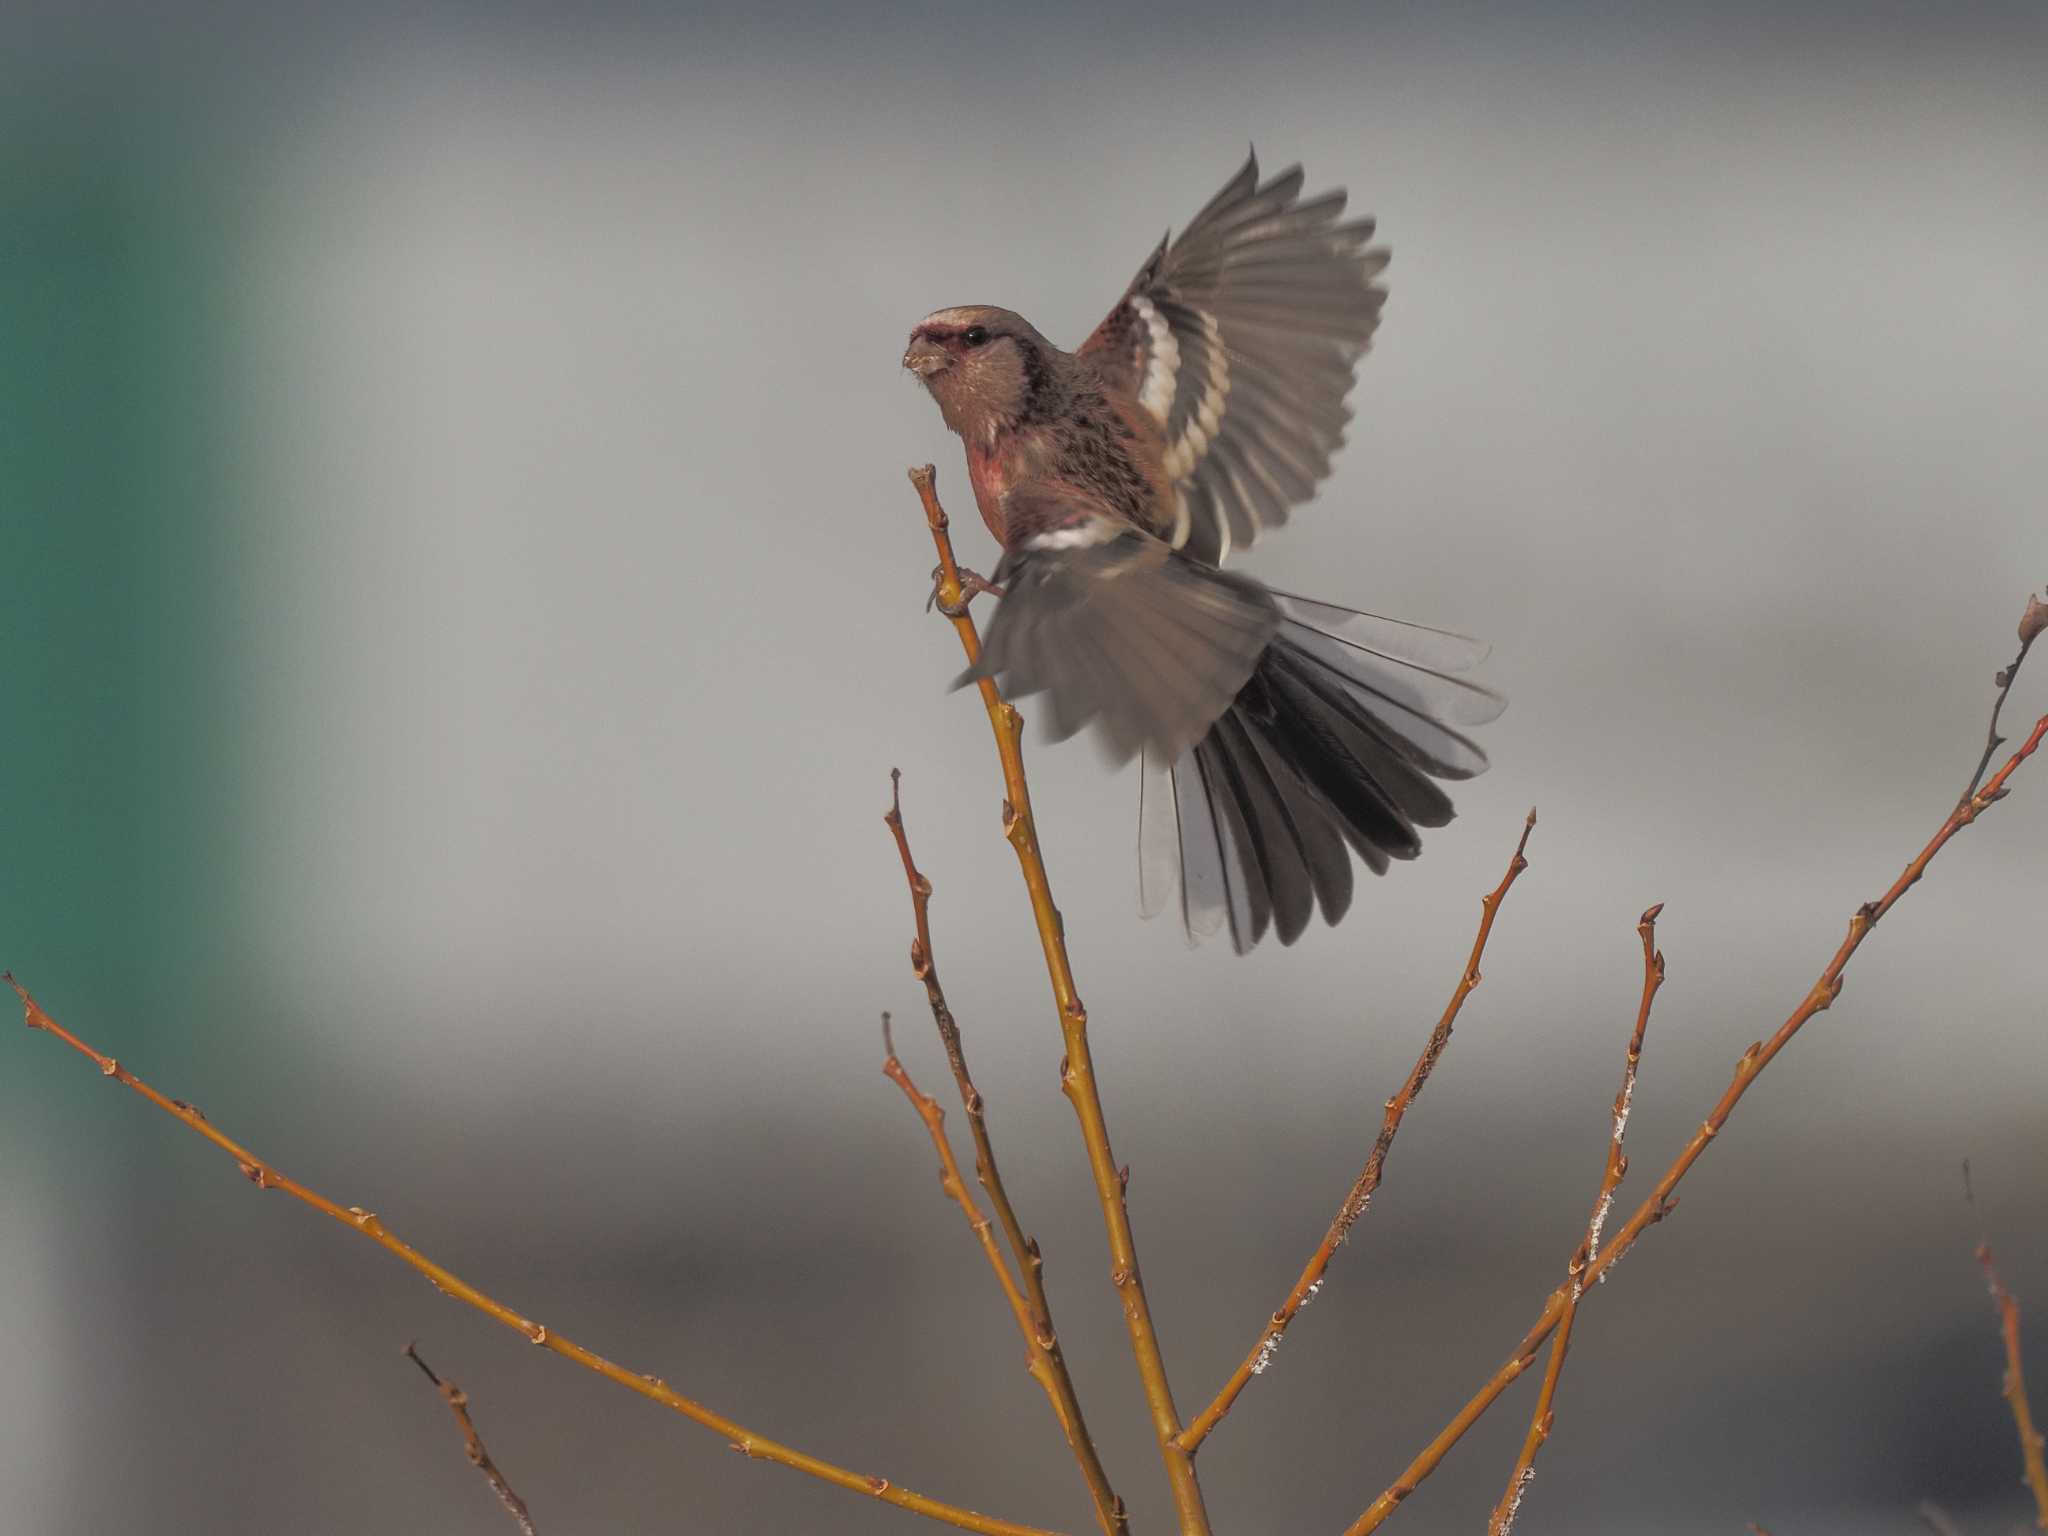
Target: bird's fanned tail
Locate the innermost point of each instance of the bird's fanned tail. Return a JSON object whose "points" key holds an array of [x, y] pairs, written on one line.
{"points": [[1338, 738]]}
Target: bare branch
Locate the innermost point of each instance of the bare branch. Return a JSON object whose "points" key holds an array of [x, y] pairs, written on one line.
{"points": [[1042, 1358], [1575, 1270], [2033, 620], [924, 966], [2016, 1387], [1077, 1072], [754, 1446], [1359, 1197], [458, 1404], [1661, 1200]]}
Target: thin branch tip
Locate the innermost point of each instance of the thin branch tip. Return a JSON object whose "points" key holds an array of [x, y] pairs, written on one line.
{"points": [[458, 1404], [1028, 1303], [1358, 1199], [1613, 1170], [2033, 620]]}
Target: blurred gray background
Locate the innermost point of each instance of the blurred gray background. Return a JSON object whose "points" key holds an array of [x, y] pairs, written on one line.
{"points": [[462, 604]]}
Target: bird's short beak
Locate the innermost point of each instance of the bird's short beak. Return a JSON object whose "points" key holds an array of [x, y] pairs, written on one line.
{"points": [[924, 357]]}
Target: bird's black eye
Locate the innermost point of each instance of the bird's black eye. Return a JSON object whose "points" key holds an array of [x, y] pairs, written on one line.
{"points": [[975, 335]]}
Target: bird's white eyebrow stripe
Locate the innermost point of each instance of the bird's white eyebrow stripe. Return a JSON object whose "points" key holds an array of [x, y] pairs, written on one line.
{"points": [[1085, 535]]}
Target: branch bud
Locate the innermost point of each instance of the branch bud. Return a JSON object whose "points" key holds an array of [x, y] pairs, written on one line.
{"points": [[2034, 622]]}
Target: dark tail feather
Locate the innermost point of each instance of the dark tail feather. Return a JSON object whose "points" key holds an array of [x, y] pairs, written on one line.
{"points": [[1338, 738]]}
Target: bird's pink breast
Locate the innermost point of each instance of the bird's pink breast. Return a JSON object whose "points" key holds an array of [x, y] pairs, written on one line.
{"points": [[992, 471]]}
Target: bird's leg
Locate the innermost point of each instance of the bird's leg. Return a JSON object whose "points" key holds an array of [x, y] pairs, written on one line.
{"points": [[972, 584]]}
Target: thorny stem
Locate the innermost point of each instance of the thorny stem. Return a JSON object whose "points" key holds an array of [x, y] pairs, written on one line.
{"points": [[2016, 1387], [1042, 1357], [1660, 1201], [1077, 1072], [1359, 1197], [1611, 1175], [458, 1404], [749, 1444]]}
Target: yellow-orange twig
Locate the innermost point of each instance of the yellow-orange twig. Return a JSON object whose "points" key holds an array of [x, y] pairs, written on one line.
{"points": [[1077, 1072], [458, 1404], [1041, 1357], [2031, 1456], [1659, 1202], [1359, 1197], [754, 1446], [924, 966], [1611, 1175]]}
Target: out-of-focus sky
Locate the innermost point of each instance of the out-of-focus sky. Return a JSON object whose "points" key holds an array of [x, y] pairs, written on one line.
{"points": [[462, 604]]}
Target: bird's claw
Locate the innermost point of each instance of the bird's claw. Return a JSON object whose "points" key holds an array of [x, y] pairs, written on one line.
{"points": [[972, 584]]}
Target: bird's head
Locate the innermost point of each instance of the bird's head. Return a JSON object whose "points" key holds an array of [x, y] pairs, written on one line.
{"points": [[986, 367]]}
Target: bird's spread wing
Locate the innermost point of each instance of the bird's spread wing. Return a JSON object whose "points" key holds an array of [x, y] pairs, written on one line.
{"points": [[1121, 632], [1242, 338]]}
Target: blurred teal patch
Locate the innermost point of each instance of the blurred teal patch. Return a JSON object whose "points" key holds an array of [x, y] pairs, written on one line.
{"points": [[112, 514]]}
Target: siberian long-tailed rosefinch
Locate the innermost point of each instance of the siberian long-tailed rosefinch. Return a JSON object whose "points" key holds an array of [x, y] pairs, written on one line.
{"points": [[1275, 730]]}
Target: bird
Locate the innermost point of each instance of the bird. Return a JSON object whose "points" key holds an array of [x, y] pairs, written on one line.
{"points": [[1278, 735]]}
